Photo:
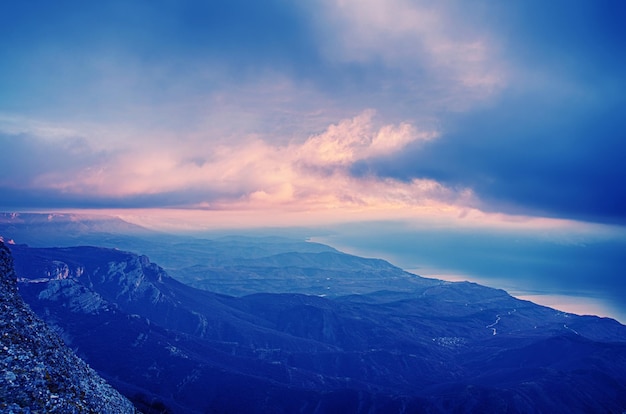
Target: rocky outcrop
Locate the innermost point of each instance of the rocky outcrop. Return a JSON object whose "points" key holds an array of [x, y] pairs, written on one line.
{"points": [[39, 373]]}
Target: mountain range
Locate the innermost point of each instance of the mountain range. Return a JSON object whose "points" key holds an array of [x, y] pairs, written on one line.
{"points": [[323, 331], [233, 265]]}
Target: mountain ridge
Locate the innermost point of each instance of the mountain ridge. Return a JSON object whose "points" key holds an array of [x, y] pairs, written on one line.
{"points": [[443, 346], [232, 265]]}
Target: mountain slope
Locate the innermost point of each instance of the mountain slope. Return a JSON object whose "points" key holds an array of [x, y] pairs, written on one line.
{"points": [[442, 347], [39, 373]]}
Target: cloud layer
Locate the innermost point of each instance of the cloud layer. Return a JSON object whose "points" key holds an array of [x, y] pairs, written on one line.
{"points": [[245, 174], [398, 105]]}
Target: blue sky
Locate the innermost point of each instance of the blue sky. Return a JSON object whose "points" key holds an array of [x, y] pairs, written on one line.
{"points": [[454, 114]]}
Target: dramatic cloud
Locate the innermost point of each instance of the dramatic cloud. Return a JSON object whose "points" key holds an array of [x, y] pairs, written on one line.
{"points": [[550, 143], [527, 156], [245, 174], [511, 108]]}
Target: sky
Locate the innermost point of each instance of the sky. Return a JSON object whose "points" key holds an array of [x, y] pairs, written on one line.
{"points": [[454, 117]]}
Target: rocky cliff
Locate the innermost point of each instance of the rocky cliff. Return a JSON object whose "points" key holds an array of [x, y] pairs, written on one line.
{"points": [[39, 373]]}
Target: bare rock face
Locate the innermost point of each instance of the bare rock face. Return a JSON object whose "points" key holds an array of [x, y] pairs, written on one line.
{"points": [[38, 372]]}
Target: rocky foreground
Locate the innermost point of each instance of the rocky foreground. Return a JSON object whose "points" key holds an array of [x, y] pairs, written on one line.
{"points": [[39, 373]]}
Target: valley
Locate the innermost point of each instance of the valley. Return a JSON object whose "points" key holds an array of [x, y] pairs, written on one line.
{"points": [[282, 325]]}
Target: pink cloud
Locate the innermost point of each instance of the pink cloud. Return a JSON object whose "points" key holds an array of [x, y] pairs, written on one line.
{"points": [[253, 173]]}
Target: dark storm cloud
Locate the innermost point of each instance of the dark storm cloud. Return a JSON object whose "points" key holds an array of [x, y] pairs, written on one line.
{"points": [[553, 142], [528, 157]]}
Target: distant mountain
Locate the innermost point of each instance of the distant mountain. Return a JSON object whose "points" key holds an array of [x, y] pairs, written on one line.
{"points": [[39, 373], [233, 265], [328, 273], [61, 229], [439, 347]]}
